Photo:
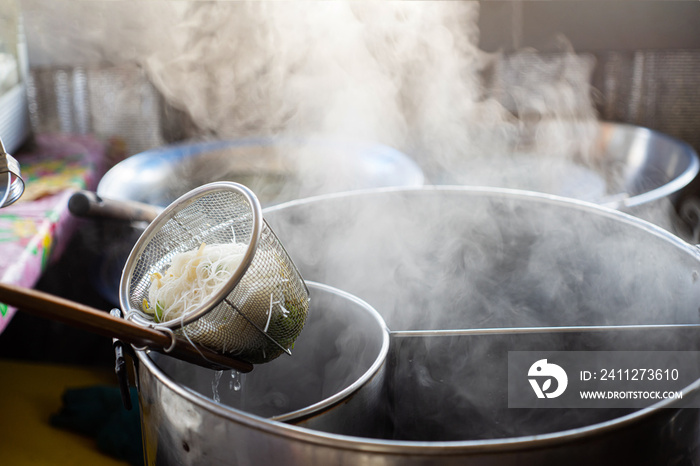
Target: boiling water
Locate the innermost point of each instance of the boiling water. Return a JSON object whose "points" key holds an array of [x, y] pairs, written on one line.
{"points": [[215, 386]]}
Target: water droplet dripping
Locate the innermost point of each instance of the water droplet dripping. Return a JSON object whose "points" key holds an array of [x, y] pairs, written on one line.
{"points": [[235, 382], [215, 385]]}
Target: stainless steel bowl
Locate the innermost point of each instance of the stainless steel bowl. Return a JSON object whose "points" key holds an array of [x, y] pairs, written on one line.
{"points": [[650, 165], [276, 169], [629, 168]]}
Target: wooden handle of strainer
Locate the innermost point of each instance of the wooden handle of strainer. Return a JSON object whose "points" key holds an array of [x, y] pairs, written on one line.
{"points": [[88, 204], [93, 320]]}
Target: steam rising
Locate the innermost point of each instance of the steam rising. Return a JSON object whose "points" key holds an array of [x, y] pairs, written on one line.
{"points": [[409, 75], [406, 74], [447, 259]]}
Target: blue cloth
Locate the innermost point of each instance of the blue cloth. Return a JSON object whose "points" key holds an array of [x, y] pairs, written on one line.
{"points": [[98, 412]]}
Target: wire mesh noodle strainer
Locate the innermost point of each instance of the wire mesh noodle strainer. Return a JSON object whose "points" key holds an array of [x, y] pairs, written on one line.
{"points": [[258, 312]]}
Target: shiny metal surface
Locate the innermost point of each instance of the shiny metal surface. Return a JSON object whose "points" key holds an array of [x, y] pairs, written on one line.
{"points": [[11, 182], [277, 170], [301, 389], [182, 428], [629, 168], [654, 164], [528, 236], [655, 167], [336, 388], [548, 330]]}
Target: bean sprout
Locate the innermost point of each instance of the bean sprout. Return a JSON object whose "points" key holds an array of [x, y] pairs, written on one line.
{"points": [[192, 277]]}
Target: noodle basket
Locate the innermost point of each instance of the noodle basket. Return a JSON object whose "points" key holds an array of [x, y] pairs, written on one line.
{"points": [[259, 310]]}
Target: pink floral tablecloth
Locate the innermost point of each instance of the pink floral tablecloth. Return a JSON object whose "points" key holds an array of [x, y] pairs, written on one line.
{"points": [[36, 229]]}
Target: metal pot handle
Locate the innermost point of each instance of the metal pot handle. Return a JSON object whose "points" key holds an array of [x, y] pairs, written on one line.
{"points": [[120, 366], [689, 215], [89, 204], [15, 183]]}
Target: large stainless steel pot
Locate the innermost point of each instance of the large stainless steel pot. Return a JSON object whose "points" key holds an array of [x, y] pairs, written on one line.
{"points": [[448, 259]]}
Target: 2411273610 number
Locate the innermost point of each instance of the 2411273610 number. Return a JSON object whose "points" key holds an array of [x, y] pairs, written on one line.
{"points": [[639, 374]]}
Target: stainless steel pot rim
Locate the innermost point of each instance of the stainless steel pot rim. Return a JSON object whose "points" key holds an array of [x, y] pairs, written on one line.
{"points": [[379, 361], [606, 211]]}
